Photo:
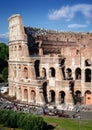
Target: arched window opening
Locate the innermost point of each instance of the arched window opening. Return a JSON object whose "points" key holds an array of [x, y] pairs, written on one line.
{"points": [[43, 73], [78, 74], [78, 97], [87, 62], [61, 97], [45, 92], [87, 75], [52, 96], [33, 96], [25, 94], [26, 73], [88, 97], [52, 72], [69, 74], [36, 66]]}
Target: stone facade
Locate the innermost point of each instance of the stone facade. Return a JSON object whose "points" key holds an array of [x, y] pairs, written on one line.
{"points": [[47, 66]]}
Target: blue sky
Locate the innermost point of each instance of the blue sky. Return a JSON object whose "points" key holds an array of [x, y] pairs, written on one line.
{"points": [[62, 15]]}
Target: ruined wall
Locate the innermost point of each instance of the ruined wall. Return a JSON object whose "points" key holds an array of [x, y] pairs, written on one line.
{"points": [[42, 64]]}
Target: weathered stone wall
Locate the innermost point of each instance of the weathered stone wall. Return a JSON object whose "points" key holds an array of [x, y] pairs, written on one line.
{"points": [[42, 64]]}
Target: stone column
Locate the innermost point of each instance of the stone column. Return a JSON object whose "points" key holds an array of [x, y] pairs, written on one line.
{"points": [[33, 75], [68, 97], [59, 75], [82, 79]]}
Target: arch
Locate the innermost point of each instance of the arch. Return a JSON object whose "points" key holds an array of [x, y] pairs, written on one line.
{"points": [[52, 96], [25, 95], [33, 95], [26, 72], [87, 75], [43, 73], [68, 73], [78, 73], [88, 96], [36, 66], [52, 72], [78, 97], [61, 97], [45, 92]]}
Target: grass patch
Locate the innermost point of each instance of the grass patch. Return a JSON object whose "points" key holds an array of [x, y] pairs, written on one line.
{"points": [[68, 124]]}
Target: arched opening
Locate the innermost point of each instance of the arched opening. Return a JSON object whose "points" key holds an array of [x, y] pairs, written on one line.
{"points": [[33, 96], [25, 95], [61, 97], [88, 97], [43, 73], [52, 96], [78, 97], [68, 73], [52, 72], [45, 92], [26, 73], [36, 66], [87, 62], [78, 74], [87, 75]]}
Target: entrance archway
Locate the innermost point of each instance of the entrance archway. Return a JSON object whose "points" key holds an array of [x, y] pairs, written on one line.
{"points": [[88, 97], [52, 96], [78, 97], [61, 97]]}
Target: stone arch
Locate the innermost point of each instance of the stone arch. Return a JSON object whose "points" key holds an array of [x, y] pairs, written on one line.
{"points": [[25, 95], [78, 96], [87, 75], [88, 96], [61, 97], [52, 96], [33, 95], [68, 73], [26, 72], [36, 66], [78, 73], [52, 72]]}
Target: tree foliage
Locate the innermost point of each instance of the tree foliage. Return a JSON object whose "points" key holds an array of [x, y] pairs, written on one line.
{"points": [[4, 54], [24, 121]]}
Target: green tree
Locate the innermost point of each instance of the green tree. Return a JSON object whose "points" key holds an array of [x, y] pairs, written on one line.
{"points": [[4, 54], [5, 74]]}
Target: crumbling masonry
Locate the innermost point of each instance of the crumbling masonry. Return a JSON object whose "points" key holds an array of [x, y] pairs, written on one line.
{"points": [[49, 67]]}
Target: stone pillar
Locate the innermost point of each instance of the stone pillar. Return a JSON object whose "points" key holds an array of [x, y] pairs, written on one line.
{"points": [[33, 75], [57, 98], [58, 72], [68, 97], [82, 79]]}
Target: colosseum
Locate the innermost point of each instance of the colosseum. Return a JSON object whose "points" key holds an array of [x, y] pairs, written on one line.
{"points": [[48, 66]]}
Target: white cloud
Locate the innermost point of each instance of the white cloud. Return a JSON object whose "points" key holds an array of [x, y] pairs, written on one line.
{"points": [[5, 35], [77, 26], [68, 12]]}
